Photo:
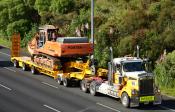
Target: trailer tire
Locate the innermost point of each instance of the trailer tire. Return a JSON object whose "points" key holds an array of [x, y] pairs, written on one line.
{"points": [[66, 82], [60, 82], [92, 88], [15, 63], [125, 100], [83, 86], [33, 70], [24, 67]]}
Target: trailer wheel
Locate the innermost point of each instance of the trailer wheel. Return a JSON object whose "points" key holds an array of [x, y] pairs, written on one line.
{"points": [[83, 86], [24, 68], [60, 82], [66, 82], [33, 70], [93, 88], [15, 63], [125, 100]]}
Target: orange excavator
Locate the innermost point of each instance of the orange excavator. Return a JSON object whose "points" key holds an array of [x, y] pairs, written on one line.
{"points": [[50, 49]]}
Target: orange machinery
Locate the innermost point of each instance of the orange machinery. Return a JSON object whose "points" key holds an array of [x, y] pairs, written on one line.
{"points": [[50, 47]]}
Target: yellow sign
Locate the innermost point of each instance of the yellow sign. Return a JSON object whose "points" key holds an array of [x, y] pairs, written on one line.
{"points": [[146, 98]]}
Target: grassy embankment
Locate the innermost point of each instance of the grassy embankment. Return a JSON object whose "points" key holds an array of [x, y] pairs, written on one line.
{"points": [[167, 91], [5, 42]]}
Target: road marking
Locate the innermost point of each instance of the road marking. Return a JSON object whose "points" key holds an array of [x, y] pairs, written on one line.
{"points": [[49, 85], [5, 54], [9, 69], [5, 87], [84, 109], [166, 108], [51, 108], [108, 107]]}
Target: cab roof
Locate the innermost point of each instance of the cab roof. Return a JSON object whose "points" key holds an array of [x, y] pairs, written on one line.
{"points": [[47, 27], [126, 59]]}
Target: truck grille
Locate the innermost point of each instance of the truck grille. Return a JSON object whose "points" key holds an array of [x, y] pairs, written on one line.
{"points": [[146, 86]]}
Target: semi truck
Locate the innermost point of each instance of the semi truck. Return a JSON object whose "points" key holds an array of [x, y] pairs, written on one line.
{"points": [[66, 60], [127, 80]]}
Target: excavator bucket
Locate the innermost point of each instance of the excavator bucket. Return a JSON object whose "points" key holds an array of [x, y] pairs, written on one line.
{"points": [[15, 49]]}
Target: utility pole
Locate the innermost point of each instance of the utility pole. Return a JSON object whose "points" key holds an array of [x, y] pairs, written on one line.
{"points": [[92, 37], [92, 28]]}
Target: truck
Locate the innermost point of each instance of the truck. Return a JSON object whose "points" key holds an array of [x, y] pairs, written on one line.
{"points": [[128, 80], [66, 59]]}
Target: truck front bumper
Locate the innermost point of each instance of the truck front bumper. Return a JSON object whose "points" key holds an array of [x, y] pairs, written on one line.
{"points": [[135, 100]]}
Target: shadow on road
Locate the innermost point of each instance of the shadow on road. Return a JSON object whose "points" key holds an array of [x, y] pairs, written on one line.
{"points": [[167, 104], [170, 103], [6, 64]]}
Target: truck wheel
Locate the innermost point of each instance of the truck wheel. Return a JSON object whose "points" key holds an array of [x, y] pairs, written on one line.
{"points": [[83, 86], [59, 81], [66, 82], [24, 68], [125, 100], [93, 88], [15, 64], [33, 70]]}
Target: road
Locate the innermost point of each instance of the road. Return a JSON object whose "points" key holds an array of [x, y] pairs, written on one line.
{"points": [[23, 92]]}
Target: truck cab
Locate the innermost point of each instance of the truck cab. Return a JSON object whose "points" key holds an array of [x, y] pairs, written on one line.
{"points": [[129, 81]]}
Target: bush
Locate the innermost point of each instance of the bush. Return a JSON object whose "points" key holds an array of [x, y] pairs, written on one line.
{"points": [[28, 36], [165, 71]]}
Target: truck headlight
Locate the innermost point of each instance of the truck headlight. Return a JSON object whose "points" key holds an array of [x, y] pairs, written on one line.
{"points": [[134, 92], [156, 89]]}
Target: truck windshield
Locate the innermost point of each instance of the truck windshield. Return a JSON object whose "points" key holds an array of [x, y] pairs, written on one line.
{"points": [[133, 66]]}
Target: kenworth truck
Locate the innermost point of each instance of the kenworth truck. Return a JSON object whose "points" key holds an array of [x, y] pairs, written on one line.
{"points": [[126, 77], [128, 80]]}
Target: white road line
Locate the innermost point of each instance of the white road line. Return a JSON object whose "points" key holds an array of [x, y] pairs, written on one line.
{"points": [[166, 108], [5, 54], [86, 109], [9, 69], [108, 107], [5, 87], [51, 108], [49, 85]]}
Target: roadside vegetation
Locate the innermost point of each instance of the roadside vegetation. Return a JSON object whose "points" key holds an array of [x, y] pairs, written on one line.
{"points": [[122, 24], [5, 42]]}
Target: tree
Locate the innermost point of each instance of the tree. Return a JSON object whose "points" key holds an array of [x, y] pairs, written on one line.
{"points": [[62, 6], [42, 5]]}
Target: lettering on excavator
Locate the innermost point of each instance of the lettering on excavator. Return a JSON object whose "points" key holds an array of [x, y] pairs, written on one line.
{"points": [[75, 47]]}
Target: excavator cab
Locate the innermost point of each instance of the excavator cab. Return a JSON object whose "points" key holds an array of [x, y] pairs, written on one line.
{"points": [[47, 33]]}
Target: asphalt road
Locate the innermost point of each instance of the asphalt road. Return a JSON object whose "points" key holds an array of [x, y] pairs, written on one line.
{"points": [[23, 92]]}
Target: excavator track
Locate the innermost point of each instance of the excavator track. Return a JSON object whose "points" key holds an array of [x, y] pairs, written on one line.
{"points": [[47, 61]]}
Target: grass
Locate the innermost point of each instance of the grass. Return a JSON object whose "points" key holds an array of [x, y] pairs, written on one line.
{"points": [[168, 91], [5, 42]]}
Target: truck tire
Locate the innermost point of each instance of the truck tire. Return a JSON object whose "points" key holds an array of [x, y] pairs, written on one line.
{"points": [[66, 82], [83, 86], [15, 63], [60, 82], [125, 100], [92, 88], [24, 67], [33, 70]]}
